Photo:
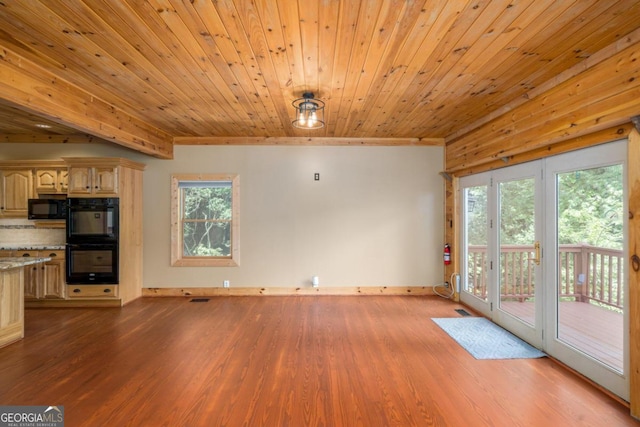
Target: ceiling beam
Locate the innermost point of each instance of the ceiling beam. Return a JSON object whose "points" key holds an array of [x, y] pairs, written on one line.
{"points": [[79, 138], [604, 96], [30, 88], [554, 149], [593, 60], [221, 140]]}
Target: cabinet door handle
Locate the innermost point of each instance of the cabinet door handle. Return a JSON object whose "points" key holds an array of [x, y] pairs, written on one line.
{"points": [[24, 255], [53, 255]]}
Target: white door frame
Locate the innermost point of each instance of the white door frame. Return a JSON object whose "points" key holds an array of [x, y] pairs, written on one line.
{"points": [[483, 307], [533, 334], [545, 331], [599, 156]]}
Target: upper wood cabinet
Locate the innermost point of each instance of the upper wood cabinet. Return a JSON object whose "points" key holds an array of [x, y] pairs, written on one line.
{"points": [[16, 188], [21, 180], [89, 180], [51, 180], [100, 176]]}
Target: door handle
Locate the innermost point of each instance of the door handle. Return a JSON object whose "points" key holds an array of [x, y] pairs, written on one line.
{"points": [[536, 248]]}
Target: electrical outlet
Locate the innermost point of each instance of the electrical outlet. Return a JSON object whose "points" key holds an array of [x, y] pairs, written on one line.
{"points": [[316, 176], [225, 284], [446, 284]]}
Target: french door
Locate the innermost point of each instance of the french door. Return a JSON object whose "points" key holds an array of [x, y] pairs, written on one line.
{"points": [[502, 229], [586, 239], [543, 255]]}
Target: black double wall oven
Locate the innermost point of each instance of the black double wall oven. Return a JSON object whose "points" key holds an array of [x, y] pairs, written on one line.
{"points": [[92, 240]]}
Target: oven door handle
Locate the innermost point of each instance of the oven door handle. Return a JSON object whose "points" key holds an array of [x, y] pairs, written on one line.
{"points": [[105, 246]]}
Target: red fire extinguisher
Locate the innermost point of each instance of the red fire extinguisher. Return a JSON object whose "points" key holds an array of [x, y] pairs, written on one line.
{"points": [[447, 254]]}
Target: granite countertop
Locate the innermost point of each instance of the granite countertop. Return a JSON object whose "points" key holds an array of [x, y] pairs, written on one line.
{"points": [[7, 263], [32, 247]]}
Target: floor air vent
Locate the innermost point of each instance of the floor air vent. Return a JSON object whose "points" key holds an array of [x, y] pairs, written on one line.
{"points": [[462, 312], [199, 300]]}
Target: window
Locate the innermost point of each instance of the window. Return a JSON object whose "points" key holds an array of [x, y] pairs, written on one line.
{"points": [[204, 220]]}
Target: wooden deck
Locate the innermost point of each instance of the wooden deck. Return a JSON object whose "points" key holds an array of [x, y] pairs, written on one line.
{"points": [[589, 328]]}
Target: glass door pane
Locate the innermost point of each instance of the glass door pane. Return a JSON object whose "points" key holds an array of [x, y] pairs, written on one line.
{"points": [[475, 274], [518, 253], [590, 291], [475, 218], [586, 267]]}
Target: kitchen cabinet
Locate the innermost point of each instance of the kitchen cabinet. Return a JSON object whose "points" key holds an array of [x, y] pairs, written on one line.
{"points": [[121, 178], [32, 275], [93, 181], [92, 291], [11, 306], [16, 188], [44, 280], [45, 286], [103, 177], [51, 180], [53, 284], [12, 296]]}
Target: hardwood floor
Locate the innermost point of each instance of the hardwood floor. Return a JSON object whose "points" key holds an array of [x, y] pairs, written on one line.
{"points": [[283, 361]]}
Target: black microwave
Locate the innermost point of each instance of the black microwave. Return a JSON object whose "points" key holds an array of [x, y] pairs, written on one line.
{"points": [[47, 208]]}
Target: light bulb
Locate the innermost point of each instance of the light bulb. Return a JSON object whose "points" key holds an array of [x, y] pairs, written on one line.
{"points": [[301, 118]]}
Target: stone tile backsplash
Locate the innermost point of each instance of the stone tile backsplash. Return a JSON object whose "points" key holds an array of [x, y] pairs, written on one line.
{"points": [[23, 232]]}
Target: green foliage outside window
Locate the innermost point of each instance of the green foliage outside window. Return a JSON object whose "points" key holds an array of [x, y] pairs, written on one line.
{"points": [[590, 209], [206, 219], [590, 213]]}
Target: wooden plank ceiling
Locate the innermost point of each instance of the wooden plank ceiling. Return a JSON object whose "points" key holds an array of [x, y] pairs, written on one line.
{"points": [[202, 71]]}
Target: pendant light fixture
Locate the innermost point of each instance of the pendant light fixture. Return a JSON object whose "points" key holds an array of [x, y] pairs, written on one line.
{"points": [[309, 112]]}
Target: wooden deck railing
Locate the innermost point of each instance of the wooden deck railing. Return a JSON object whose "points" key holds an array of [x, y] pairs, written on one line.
{"points": [[585, 273]]}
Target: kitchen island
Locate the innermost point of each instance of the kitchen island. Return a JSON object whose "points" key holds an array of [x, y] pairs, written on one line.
{"points": [[12, 296]]}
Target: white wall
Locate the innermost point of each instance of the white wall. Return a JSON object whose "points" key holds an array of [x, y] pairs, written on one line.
{"points": [[375, 218]]}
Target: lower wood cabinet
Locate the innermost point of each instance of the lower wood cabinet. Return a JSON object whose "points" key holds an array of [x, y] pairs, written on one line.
{"points": [[11, 306], [45, 284], [53, 285], [92, 291], [45, 280], [33, 275]]}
